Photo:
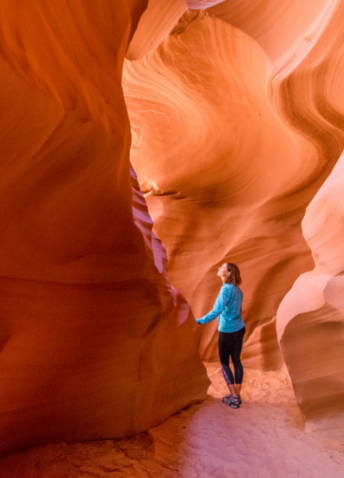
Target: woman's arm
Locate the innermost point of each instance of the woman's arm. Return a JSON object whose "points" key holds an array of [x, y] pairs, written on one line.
{"points": [[222, 300]]}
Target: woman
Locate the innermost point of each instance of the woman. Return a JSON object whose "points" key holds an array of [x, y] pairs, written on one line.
{"points": [[231, 330]]}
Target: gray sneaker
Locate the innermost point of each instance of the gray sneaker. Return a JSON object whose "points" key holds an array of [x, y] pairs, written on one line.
{"points": [[231, 401], [229, 395]]}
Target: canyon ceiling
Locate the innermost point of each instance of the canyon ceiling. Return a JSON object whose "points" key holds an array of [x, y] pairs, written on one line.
{"points": [[143, 145]]}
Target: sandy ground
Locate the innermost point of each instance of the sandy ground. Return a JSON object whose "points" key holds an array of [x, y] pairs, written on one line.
{"points": [[265, 438]]}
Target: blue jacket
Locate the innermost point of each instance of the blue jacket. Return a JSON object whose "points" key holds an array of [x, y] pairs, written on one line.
{"points": [[227, 308]]}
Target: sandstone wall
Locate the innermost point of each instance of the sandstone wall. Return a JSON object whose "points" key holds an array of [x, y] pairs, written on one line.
{"points": [[310, 319], [94, 341], [235, 127], [236, 119]]}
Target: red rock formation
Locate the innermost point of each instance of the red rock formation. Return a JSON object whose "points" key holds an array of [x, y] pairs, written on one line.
{"points": [[258, 113], [157, 22], [310, 320], [258, 117], [237, 120], [313, 310], [217, 193], [94, 341], [281, 31]]}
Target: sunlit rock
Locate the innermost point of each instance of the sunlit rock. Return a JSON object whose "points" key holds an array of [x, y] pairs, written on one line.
{"points": [[310, 319], [157, 22], [220, 169]]}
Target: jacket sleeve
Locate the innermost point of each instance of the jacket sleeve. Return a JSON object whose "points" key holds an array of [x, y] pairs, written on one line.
{"points": [[222, 300]]}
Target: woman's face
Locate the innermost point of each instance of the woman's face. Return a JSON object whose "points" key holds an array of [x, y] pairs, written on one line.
{"points": [[223, 271]]}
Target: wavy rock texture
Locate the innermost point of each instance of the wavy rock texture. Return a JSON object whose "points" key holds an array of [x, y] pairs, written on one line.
{"points": [[253, 94], [90, 325], [313, 309], [158, 21], [236, 121], [217, 193], [281, 31], [310, 319]]}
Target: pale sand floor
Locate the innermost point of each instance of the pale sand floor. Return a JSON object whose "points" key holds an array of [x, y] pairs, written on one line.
{"points": [[265, 438]]}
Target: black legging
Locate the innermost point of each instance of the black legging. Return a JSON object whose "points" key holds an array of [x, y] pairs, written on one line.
{"points": [[230, 345]]}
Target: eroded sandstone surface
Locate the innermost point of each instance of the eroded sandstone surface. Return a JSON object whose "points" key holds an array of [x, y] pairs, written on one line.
{"points": [[310, 319], [233, 120], [229, 187], [95, 342], [237, 121]]}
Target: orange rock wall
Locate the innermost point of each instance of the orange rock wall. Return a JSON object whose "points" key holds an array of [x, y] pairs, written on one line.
{"points": [[94, 341], [237, 121], [235, 128], [236, 118], [227, 137], [310, 319]]}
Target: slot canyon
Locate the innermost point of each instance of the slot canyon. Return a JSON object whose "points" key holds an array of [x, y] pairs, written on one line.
{"points": [[143, 144]]}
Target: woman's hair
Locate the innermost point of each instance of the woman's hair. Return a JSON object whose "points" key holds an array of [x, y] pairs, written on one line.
{"points": [[234, 278]]}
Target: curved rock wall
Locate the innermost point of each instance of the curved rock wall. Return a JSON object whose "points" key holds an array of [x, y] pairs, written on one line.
{"points": [[217, 193], [157, 22], [251, 92], [253, 95], [236, 121], [89, 321], [310, 319]]}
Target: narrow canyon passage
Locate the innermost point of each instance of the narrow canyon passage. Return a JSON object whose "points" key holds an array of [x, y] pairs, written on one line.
{"points": [[265, 438], [143, 144]]}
